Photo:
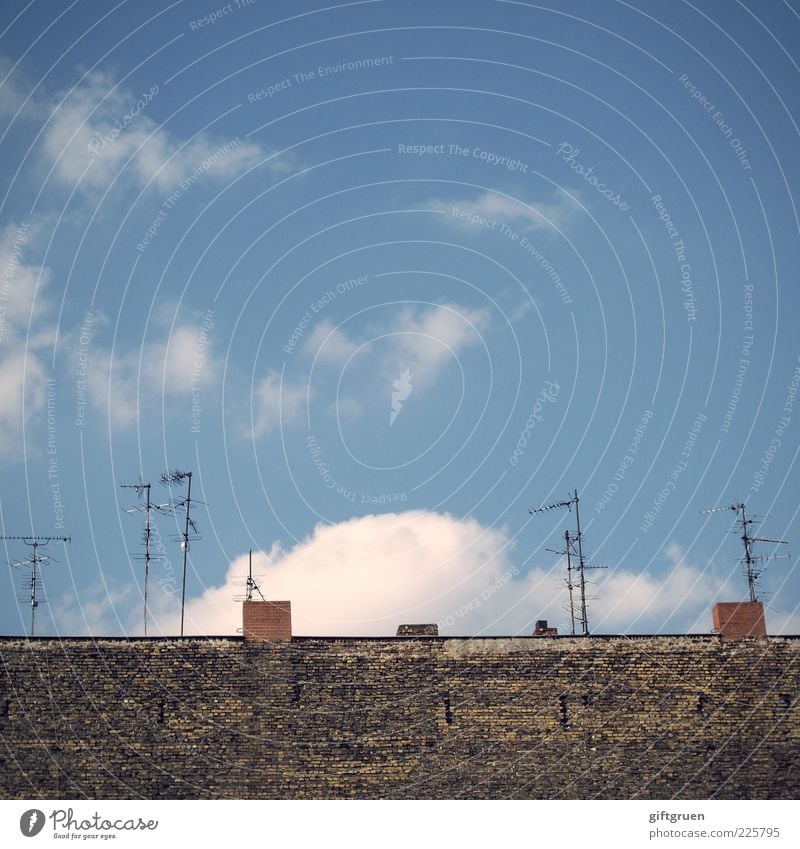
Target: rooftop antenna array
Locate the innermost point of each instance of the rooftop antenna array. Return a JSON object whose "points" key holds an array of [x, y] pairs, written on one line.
{"points": [[175, 477], [33, 562], [750, 561], [567, 552], [574, 548], [250, 583], [143, 489]]}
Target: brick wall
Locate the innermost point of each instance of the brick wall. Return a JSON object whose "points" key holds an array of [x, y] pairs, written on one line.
{"points": [[267, 620], [419, 718], [735, 620]]}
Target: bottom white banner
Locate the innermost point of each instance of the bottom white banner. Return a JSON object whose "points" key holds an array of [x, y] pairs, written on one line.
{"points": [[388, 824]]}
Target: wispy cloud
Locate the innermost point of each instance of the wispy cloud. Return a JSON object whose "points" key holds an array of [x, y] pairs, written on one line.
{"points": [[677, 597], [111, 130], [17, 93], [329, 343], [426, 339], [102, 609], [24, 334], [519, 214], [276, 402], [420, 338], [134, 379], [421, 341], [23, 285]]}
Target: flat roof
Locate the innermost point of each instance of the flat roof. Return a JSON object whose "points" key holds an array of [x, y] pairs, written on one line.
{"points": [[307, 638]]}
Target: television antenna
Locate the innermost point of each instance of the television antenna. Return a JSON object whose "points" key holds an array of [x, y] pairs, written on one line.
{"points": [[750, 561], [567, 552], [143, 489], [574, 548], [175, 477], [250, 583], [33, 562]]}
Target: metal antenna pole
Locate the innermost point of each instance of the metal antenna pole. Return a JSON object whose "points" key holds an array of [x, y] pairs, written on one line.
{"points": [[570, 585], [143, 488], [250, 583], [581, 568], [567, 552], [186, 546], [578, 538], [170, 478], [748, 557], [146, 551], [34, 605]]}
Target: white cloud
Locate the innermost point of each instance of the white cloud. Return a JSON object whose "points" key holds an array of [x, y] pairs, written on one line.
{"points": [[16, 93], [329, 344], [21, 376], [23, 304], [677, 599], [780, 622], [426, 340], [348, 408], [367, 575], [101, 610], [169, 367], [514, 212], [22, 285], [421, 340], [276, 402], [108, 127], [370, 574]]}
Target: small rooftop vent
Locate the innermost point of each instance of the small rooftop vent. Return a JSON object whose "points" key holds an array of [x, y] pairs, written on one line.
{"points": [[417, 631]]}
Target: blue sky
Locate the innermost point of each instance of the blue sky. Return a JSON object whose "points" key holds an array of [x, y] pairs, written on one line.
{"points": [[384, 276]]}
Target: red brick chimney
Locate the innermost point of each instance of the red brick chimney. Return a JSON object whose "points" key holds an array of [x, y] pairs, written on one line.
{"points": [[734, 620], [267, 620]]}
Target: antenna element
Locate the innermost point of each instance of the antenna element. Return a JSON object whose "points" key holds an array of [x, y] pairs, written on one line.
{"points": [[35, 542], [750, 560], [176, 478], [574, 545]]}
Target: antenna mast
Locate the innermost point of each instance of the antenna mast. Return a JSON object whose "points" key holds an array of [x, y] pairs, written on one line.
{"points": [[251, 584], [143, 488], [172, 478], [35, 542], [567, 551], [750, 560], [581, 568]]}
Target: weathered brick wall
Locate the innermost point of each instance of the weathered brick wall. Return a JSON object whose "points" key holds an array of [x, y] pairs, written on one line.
{"points": [[489, 718], [267, 620], [734, 620]]}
